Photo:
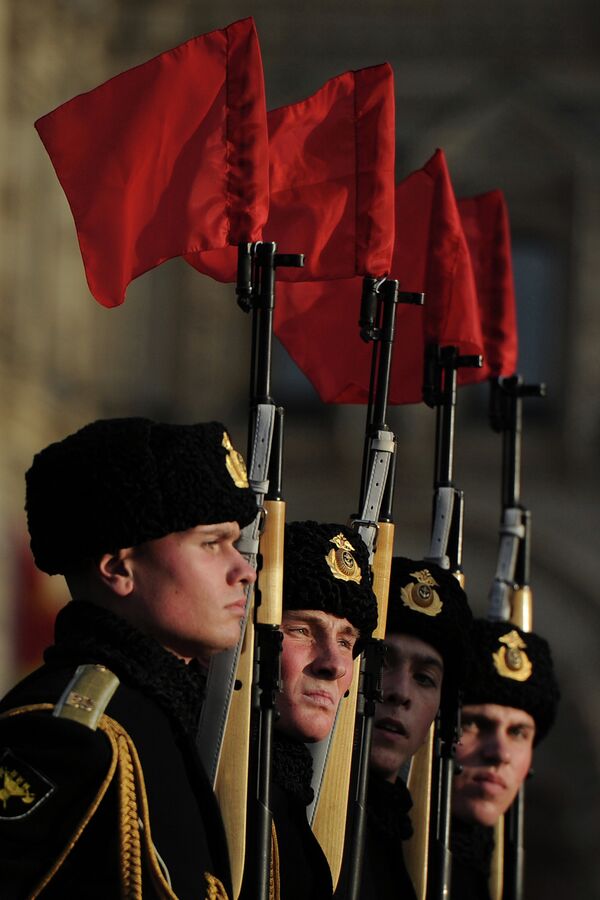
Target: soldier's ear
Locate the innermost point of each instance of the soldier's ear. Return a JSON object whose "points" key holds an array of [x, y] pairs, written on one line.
{"points": [[116, 571]]}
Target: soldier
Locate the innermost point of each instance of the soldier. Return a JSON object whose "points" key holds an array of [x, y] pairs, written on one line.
{"points": [[329, 609], [101, 792], [427, 642], [510, 702]]}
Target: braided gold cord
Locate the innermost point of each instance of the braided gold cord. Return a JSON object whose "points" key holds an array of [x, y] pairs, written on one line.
{"points": [[214, 888], [129, 831], [34, 707], [142, 812]]}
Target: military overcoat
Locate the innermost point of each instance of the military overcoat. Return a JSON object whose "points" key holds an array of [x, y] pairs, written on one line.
{"points": [[63, 815]]}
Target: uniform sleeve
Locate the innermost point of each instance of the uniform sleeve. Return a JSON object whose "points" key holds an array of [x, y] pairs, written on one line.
{"points": [[52, 775]]}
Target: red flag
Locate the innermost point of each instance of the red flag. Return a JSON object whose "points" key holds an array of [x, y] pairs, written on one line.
{"points": [[165, 158], [318, 322], [487, 229], [331, 174]]}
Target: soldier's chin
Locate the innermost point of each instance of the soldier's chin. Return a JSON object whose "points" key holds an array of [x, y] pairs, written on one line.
{"points": [[317, 726], [309, 728], [317, 731], [478, 812]]}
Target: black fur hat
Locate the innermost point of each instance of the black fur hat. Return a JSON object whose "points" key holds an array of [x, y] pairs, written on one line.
{"points": [[326, 567], [428, 602], [119, 482], [513, 668]]}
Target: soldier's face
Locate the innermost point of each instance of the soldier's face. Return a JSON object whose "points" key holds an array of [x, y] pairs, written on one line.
{"points": [[412, 682], [316, 671], [495, 752], [189, 589]]}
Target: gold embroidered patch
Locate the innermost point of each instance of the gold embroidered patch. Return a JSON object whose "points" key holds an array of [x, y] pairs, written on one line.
{"points": [[511, 661], [214, 888], [341, 562], [235, 463], [14, 785], [22, 788], [421, 597]]}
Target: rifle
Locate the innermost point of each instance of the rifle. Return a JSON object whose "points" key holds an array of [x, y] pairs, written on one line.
{"points": [[224, 736], [428, 857], [348, 748], [510, 599]]}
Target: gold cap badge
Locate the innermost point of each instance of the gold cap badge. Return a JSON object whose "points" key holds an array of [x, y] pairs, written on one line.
{"points": [[235, 463], [510, 661], [341, 562], [421, 597]]}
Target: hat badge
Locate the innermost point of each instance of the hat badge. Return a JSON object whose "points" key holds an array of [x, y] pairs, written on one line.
{"points": [[421, 596], [341, 563], [235, 464], [510, 660]]}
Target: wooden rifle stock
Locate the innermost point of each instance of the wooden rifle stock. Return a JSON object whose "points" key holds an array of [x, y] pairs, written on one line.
{"points": [[268, 605], [371, 674], [268, 639], [420, 783], [256, 292], [382, 564], [231, 785], [337, 825], [269, 611], [512, 580], [508, 858], [329, 819], [428, 855], [336, 783], [522, 607]]}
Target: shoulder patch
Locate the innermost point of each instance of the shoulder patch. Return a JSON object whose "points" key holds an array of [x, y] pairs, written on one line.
{"points": [[22, 788]]}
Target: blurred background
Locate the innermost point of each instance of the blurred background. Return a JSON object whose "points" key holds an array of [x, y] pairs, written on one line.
{"points": [[511, 92]]}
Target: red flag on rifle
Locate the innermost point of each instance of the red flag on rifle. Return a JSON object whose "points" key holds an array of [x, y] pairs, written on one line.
{"points": [[166, 158], [487, 229], [318, 322], [331, 174]]}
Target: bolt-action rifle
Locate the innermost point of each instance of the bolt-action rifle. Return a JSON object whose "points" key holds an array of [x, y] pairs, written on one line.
{"points": [[510, 599], [428, 857], [341, 830], [242, 683]]}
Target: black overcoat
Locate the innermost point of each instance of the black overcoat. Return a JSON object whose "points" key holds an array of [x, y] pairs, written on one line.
{"points": [[158, 703]]}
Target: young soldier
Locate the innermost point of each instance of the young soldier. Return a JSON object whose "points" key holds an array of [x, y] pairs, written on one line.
{"points": [[510, 703], [101, 790], [329, 609], [427, 639]]}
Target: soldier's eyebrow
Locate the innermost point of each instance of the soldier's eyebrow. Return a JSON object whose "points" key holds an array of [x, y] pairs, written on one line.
{"points": [[313, 618], [423, 659], [521, 723], [419, 659], [220, 530]]}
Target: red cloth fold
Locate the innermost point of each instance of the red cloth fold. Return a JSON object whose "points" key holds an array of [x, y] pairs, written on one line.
{"points": [[166, 158], [318, 322], [331, 174], [487, 229]]}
